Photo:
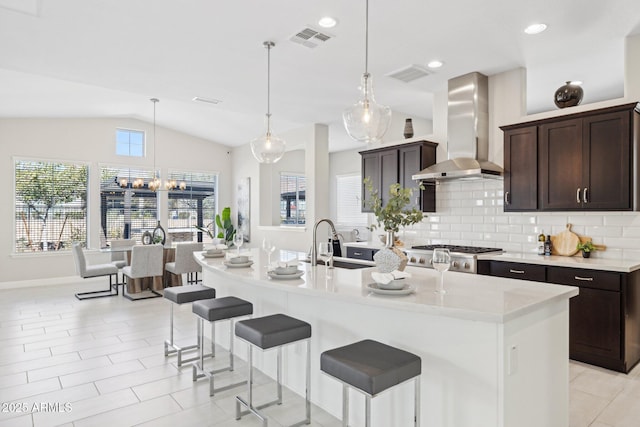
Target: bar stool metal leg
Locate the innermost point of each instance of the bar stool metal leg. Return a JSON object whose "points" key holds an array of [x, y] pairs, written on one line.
{"points": [[255, 409], [198, 370]]}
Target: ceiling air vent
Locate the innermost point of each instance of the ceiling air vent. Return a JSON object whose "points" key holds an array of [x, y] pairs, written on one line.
{"points": [[410, 73], [310, 37]]}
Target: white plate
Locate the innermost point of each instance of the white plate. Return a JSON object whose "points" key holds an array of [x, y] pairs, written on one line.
{"points": [[296, 275], [406, 290], [237, 265], [206, 255]]}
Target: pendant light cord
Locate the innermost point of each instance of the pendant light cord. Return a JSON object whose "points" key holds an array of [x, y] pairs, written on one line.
{"points": [[154, 100], [268, 45], [366, 39]]}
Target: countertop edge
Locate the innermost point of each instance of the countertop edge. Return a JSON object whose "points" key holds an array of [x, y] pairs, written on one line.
{"points": [[620, 266]]}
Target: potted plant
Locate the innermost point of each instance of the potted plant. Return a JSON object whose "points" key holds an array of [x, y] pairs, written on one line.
{"points": [[395, 213], [586, 248], [226, 231]]}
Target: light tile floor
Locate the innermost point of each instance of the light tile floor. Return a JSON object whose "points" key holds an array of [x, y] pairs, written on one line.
{"points": [[100, 363]]}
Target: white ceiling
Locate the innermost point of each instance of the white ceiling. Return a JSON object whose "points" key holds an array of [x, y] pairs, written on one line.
{"points": [[101, 58]]}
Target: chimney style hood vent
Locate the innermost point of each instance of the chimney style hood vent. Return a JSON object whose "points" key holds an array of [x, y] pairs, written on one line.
{"points": [[468, 133]]}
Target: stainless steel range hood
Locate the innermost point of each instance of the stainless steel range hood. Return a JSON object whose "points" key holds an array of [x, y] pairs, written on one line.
{"points": [[468, 133]]}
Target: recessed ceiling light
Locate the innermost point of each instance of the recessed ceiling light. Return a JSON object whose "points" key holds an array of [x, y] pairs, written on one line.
{"points": [[435, 64], [327, 22], [535, 28], [206, 100]]}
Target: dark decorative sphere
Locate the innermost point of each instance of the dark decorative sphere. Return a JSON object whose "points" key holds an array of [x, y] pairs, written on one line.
{"points": [[568, 95]]}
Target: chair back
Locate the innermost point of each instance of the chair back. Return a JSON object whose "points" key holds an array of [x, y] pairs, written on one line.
{"points": [[146, 261], [119, 244], [79, 259], [185, 262]]}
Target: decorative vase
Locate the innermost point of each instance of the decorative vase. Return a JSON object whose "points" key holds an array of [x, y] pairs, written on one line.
{"points": [[390, 258], [586, 254], [408, 128], [568, 95], [159, 235]]}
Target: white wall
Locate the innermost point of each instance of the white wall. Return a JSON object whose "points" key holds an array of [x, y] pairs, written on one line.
{"points": [[91, 141]]}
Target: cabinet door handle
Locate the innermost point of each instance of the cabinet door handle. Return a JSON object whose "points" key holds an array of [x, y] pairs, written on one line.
{"points": [[578, 196], [584, 195], [506, 198], [516, 271], [358, 253], [584, 279]]}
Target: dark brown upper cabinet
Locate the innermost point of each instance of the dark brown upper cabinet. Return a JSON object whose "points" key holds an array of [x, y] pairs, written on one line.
{"points": [[584, 161], [520, 169], [396, 164]]}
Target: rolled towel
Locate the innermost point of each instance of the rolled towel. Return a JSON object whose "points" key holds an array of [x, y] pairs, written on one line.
{"points": [[384, 278]]}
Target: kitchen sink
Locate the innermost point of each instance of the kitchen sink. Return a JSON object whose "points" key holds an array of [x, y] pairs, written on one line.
{"points": [[345, 264]]}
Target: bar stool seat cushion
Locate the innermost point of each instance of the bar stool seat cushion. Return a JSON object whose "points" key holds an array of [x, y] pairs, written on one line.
{"points": [[221, 308], [189, 293], [273, 331], [370, 365]]}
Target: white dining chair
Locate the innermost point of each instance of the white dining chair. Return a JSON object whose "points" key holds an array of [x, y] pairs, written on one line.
{"points": [[119, 254], [184, 263], [97, 270], [146, 262]]}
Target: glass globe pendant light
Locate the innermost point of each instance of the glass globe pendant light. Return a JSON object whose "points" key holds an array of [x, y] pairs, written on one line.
{"points": [[268, 148], [366, 120]]}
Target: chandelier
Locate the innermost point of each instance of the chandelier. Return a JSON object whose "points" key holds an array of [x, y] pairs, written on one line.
{"points": [[155, 184], [366, 120]]}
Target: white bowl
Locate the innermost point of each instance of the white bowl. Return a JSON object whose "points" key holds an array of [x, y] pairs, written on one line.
{"points": [[286, 270], [214, 251], [393, 285], [242, 259]]}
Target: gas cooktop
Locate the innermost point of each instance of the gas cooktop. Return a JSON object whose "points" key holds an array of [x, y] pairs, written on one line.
{"points": [[458, 249]]}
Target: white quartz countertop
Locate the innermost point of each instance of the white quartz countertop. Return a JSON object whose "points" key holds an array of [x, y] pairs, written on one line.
{"points": [[622, 265], [469, 296]]}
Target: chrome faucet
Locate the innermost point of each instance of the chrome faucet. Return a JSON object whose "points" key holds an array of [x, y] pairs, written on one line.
{"points": [[314, 246]]}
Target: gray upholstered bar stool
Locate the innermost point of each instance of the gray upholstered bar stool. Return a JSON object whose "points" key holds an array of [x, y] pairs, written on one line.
{"points": [[183, 295], [265, 333], [371, 368], [214, 310]]}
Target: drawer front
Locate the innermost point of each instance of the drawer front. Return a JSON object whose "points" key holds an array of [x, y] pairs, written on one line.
{"points": [[594, 279], [360, 253], [514, 270]]}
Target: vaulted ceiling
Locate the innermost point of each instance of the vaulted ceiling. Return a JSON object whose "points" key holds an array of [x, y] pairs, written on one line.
{"points": [[99, 58]]}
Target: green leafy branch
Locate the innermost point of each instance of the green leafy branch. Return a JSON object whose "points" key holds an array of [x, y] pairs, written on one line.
{"points": [[395, 213]]}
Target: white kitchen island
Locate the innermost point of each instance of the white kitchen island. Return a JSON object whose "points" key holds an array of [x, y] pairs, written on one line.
{"points": [[494, 351]]}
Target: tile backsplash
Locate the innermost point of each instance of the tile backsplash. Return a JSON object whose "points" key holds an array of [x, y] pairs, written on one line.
{"points": [[471, 213]]}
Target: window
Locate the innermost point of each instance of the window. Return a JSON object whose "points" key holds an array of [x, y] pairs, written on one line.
{"points": [[292, 199], [195, 205], [50, 205], [126, 212], [349, 201], [129, 143]]}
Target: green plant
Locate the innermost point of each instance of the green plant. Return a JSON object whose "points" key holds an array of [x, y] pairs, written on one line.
{"points": [[225, 227], [207, 229], [226, 230], [586, 247], [395, 213]]}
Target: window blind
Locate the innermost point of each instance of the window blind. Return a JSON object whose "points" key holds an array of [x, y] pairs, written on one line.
{"points": [[50, 205], [349, 201]]}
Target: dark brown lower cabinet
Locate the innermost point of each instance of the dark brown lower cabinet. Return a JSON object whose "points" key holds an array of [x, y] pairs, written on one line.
{"points": [[604, 319]]}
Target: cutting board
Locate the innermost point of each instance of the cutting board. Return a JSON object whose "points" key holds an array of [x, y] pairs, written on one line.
{"points": [[565, 243]]}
